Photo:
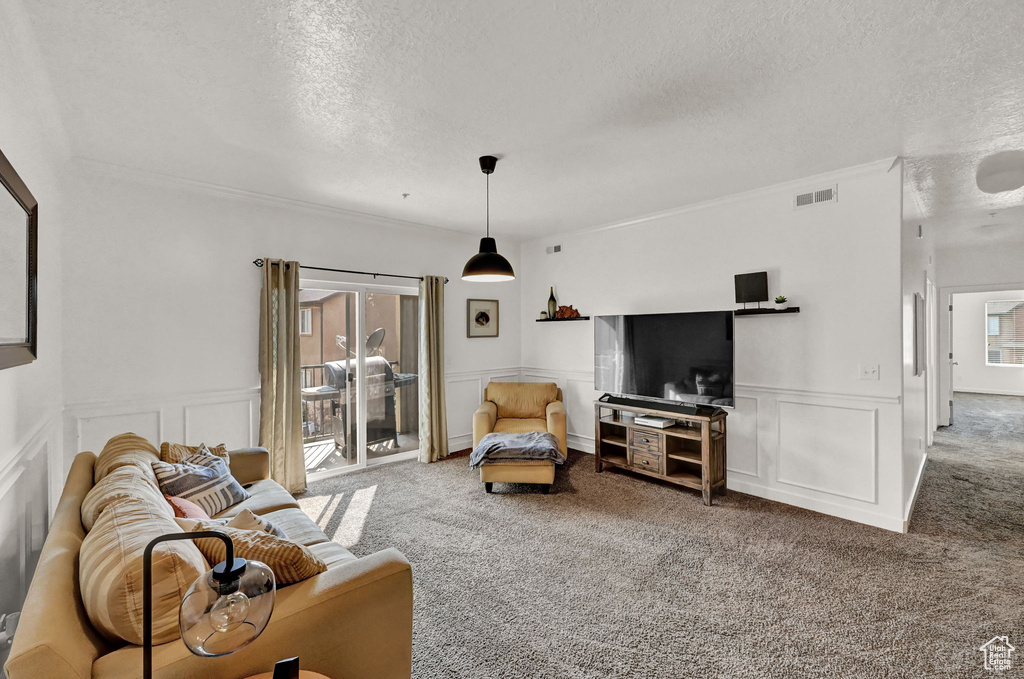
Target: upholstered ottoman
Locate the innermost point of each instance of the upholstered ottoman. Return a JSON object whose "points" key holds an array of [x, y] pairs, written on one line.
{"points": [[525, 457]]}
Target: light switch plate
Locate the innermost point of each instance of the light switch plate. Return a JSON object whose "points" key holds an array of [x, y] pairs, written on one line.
{"points": [[869, 372]]}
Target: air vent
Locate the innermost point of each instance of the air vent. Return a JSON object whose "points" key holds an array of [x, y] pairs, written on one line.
{"points": [[552, 249], [811, 198]]}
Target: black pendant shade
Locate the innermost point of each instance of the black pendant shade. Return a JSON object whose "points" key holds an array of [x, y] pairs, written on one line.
{"points": [[488, 266]]}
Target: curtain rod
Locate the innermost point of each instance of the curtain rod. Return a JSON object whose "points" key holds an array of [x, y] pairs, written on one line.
{"points": [[259, 263]]}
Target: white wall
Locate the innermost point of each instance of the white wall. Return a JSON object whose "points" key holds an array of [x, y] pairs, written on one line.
{"points": [[806, 430], [918, 265], [31, 467], [161, 322], [970, 347]]}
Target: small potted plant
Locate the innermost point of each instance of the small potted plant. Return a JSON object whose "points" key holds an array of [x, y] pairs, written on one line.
{"points": [[781, 303]]}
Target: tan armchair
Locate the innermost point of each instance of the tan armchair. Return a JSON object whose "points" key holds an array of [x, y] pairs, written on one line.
{"points": [[520, 407]]}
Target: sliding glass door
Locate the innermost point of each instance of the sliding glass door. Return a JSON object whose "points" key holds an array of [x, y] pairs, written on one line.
{"points": [[359, 349]]}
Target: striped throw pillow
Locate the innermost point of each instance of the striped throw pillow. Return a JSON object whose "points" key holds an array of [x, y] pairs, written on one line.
{"points": [[110, 572], [203, 479], [290, 561], [121, 450], [130, 481], [176, 453]]}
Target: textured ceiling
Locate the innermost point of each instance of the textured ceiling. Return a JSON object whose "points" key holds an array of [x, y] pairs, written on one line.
{"points": [[600, 111]]}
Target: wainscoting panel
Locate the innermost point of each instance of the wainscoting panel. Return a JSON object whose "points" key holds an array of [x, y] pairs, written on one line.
{"points": [[741, 432], [464, 392], [829, 451], [230, 423], [578, 396], [30, 482], [229, 417], [462, 396], [93, 431], [828, 448]]}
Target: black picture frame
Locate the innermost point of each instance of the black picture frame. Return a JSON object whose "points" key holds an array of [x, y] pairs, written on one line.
{"points": [[490, 328], [19, 353]]}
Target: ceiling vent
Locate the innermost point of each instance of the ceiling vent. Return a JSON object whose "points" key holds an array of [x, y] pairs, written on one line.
{"points": [[812, 198], [552, 249]]}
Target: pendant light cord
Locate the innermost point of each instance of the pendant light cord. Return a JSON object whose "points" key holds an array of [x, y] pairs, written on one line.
{"points": [[488, 204]]}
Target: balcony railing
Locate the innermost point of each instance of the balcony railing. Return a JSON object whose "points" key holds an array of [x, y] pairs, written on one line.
{"points": [[317, 420]]}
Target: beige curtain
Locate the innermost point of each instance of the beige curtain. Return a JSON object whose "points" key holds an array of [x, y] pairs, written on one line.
{"points": [[433, 413], [280, 402]]}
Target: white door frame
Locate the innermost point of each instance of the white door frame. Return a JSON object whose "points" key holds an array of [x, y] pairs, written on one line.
{"points": [[360, 290], [931, 373], [945, 338]]}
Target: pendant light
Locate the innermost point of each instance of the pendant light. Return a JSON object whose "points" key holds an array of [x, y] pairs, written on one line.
{"points": [[488, 266]]}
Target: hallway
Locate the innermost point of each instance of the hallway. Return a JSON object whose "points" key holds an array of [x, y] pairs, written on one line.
{"points": [[984, 417], [975, 474]]}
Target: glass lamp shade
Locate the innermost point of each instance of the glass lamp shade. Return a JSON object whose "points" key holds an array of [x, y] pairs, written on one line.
{"points": [[218, 617], [488, 266]]}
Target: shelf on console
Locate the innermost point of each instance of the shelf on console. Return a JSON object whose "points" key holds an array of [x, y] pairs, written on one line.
{"points": [[678, 430], [614, 440], [611, 419], [686, 457], [560, 320], [760, 312], [617, 460], [685, 479]]}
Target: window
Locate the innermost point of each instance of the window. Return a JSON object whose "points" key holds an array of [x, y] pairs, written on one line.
{"points": [[305, 321], [1004, 329], [993, 325]]}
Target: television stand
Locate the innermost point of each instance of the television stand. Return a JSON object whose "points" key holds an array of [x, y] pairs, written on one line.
{"points": [[690, 453]]}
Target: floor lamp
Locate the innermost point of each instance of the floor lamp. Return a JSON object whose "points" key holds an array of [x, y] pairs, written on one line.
{"points": [[225, 608]]}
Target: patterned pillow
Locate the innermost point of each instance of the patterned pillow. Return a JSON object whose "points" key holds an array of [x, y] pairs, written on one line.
{"points": [[176, 453], [246, 520], [203, 479], [290, 561]]}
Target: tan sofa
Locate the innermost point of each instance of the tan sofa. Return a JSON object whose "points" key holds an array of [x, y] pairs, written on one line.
{"points": [[350, 622], [520, 407]]}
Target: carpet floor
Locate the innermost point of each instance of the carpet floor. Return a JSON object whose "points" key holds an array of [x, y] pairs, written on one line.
{"points": [[612, 576]]}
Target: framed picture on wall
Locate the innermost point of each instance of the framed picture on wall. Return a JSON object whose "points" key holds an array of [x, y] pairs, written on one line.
{"points": [[481, 318], [19, 224], [919, 334]]}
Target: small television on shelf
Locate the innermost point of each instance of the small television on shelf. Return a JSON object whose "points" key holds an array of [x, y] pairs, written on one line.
{"points": [[676, 357], [751, 287]]}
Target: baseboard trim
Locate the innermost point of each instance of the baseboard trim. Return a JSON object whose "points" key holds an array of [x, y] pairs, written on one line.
{"points": [[988, 392], [913, 497], [584, 444], [460, 441], [895, 524]]}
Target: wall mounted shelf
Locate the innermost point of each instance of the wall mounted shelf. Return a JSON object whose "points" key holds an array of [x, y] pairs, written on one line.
{"points": [[760, 312], [561, 320]]}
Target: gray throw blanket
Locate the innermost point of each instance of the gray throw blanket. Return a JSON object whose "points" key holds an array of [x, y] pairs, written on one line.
{"points": [[501, 447]]}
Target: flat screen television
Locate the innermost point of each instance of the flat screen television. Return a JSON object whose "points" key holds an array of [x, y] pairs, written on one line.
{"points": [[680, 357]]}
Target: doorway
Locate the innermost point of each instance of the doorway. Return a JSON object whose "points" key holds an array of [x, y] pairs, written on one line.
{"points": [[359, 348], [986, 357]]}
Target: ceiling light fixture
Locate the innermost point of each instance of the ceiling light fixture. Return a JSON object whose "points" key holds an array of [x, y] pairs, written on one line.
{"points": [[1001, 172], [488, 266]]}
